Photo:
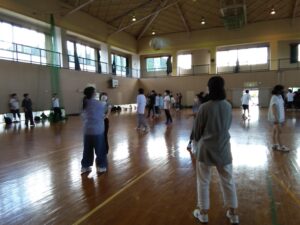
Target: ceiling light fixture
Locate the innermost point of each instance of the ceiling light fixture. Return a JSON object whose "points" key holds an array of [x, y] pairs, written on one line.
{"points": [[202, 21], [153, 32], [273, 12], [133, 19]]}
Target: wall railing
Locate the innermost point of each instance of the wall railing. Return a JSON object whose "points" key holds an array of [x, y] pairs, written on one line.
{"points": [[33, 55]]}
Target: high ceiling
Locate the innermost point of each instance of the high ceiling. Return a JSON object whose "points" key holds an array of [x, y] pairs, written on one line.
{"points": [[171, 16]]}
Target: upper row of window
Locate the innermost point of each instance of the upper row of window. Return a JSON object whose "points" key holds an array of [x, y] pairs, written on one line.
{"points": [[17, 43]]}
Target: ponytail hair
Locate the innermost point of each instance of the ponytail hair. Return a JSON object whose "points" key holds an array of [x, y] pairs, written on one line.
{"points": [[88, 94]]}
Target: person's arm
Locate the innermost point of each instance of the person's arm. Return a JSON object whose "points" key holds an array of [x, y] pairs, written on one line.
{"points": [[198, 126], [23, 106], [275, 113]]}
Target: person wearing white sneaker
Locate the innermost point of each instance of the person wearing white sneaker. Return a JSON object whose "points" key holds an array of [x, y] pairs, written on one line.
{"points": [[211, 131], [93, 129], [276, 116], [141, 104]]}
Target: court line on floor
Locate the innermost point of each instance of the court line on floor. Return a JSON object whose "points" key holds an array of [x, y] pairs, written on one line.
{"points": [[115, 195], [272, 200], [40, 156], [290, 193]]}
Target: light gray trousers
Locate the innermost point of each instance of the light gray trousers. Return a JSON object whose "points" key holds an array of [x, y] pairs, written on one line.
{"points": [[227, 185]]}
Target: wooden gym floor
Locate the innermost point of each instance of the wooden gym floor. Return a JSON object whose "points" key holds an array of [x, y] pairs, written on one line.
{"points": [[151, 177]]}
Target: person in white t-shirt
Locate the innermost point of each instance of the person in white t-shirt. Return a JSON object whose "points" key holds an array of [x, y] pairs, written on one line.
{"points": [[290, 99], [56, 108], [141, 104], [14, 106], [277, 117], [167, 107], [245, 103]]}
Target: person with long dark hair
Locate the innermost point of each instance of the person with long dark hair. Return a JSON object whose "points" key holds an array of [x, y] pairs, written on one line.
{"points": [[276, 116], [211, 132], [93, 129]]}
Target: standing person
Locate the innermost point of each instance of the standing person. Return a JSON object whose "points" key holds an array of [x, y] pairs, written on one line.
{"points": [[104, 99], [151, 104], [297, 99], [93, 130], [290, 99], [180, 100], [14, 106], [161, 101], [167, 107], [56, 108], [141, 104], [27, 107], [245, 103], [156, 106], [277, 117], [211, 131]]}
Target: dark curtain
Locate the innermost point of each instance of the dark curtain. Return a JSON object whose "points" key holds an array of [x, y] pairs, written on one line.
{"points": [[169, 65], [99, 68], [127, 67], [113, 66], [76, 59], [294, 53]]}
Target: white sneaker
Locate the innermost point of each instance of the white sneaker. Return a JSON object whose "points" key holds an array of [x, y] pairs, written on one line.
{"points": [[86, 169], [233, 218], [203, 218], [101, 169], [145, 129], [283, 148]]}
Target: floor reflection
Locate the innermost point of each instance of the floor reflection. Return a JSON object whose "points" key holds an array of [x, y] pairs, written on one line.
{"points": [[253, 155]]}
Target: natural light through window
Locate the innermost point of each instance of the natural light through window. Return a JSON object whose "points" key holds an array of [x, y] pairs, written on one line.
{"points": [[86, 56], [156, 64], [22, 44], [120, 64], [249, 56], [185, 61]]}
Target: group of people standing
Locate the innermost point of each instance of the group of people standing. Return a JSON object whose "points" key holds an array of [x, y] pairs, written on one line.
{"points": [[276, 112], [156, 104], [212, 121], [14, 106]]}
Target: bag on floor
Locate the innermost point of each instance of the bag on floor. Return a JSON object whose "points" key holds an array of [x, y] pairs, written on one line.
{"points": [[7, 120]]}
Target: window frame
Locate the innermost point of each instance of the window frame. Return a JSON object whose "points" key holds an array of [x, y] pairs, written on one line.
{"points": [[156, 69]]}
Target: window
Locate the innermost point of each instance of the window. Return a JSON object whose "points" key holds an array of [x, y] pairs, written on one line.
{"points": [[119, 65], [249, 56], [156, 64], [86, 56], [185, 61], [22, 44]]}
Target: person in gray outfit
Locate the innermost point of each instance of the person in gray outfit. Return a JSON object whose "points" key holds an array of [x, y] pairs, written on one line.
{"points": [[211, 133]]}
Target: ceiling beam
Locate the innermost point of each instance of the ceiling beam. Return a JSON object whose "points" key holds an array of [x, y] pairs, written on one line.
{"points": [[78, 7], [245, 12], [144, 18], [150, 21], [187, 27], [295, 9], [130, 11]]}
